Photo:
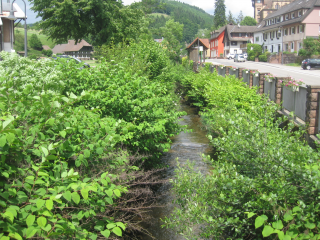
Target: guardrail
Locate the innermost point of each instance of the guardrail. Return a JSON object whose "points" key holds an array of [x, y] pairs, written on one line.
{"points": [[305, 103]]}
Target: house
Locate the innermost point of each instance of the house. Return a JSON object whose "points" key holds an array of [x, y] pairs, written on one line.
{"points": [[81, 50], [264, 7], [7, 25], [45, 47], [286, 28], [216, 42], [198, 50], [236, 38], [158, 40]]}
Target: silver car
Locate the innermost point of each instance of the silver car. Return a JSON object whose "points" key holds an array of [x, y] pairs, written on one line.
{"points": [[239, 58]]}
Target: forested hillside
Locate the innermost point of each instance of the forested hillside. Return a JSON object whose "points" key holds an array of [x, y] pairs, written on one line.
{"points": [[193, 18]]}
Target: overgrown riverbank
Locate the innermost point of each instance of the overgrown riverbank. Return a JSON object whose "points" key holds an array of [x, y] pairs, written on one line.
{"points": [[74, 143], [265, 184]]}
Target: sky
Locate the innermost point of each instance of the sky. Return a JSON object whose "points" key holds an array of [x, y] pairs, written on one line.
{"points": [[235, 6]]}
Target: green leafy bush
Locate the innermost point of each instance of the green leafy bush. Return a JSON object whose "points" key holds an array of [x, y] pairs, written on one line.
{"points": [[263, 58], [265, 181], [253, 50]]}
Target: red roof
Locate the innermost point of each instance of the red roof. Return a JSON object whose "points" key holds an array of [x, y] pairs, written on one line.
{"points": [[203, 41]]}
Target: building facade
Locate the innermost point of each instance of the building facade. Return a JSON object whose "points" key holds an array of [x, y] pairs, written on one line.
{"points": [[236, 37], [198, 50], [285, 29], [216, 42], [81, 50]]}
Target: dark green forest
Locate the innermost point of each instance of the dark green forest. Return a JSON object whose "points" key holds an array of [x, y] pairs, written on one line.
{"points": [[193, 18]]}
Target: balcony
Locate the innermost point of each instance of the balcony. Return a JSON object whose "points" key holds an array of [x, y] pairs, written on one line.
{"points": [[243, 46]]}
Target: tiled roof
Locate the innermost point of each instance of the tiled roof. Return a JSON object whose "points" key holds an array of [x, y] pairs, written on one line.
{"points": [[45, 47], [70, 46], [298, 4], [203, 41], [239, 29], [216, 33]]}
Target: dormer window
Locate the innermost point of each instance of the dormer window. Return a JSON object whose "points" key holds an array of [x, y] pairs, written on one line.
{"points": [[281, 20], [300, 13], [286, 16], [292, 15], [278, 19]]}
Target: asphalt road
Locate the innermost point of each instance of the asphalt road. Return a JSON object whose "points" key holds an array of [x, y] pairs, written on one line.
{"points": [[309, 77]]}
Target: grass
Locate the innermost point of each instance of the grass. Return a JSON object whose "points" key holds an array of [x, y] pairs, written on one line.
{"points": [[294, 64], [160, 14], [43, 38]]}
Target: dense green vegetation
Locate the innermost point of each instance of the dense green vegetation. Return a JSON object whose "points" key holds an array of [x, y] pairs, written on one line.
{"points": [[265, 183], [193, 18], [74, 142]]}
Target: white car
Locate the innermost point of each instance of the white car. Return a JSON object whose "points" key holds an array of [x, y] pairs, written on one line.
{"points": [[245, 55], [230, 56], [239, 58]]}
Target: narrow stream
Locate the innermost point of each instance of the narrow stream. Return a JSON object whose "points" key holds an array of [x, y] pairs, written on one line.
{"points": [[185, 146]]}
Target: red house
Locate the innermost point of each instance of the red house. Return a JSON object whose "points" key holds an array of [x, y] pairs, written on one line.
{"points": [[216, 42]]}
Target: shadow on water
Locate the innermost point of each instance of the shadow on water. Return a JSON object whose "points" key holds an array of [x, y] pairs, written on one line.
{"points": [[186, 146]]}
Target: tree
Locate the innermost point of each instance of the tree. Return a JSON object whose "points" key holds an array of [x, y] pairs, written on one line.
{"points": [[219, 18], [240, 17], [172, 34], [230, 18], [47, 53], [203, 33], [35, 42], [101, 21], [248, 21]]}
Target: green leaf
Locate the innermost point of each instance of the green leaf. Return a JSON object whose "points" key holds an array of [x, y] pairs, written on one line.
{"points": [[250, 214], [3, 141], [47, 228], [105, 233], [277, 225], [280, 235], [267, 231], [120, 224], [5, 238], [15, 236], [31, 231], [117, 192], [310, 225], [84, 193], [111, 225], [287, 237], [40, 203], [260, 220], [42, 221], [7, 122], [109, 192], [67, 195], [117, 231], [45, 151], [86, 153], [296, 209], [10, 138], [9, 216], [99, 151], [49, 204], [30, 220], [287, 217], [75, 197], [63, 133]]}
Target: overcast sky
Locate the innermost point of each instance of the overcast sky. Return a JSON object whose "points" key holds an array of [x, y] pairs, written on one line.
{"points": [[233, 5]]}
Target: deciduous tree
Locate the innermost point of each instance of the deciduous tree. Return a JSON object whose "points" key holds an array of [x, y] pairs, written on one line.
{"points": [[35, 42], [248, 21]]}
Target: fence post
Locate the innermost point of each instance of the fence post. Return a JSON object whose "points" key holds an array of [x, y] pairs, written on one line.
{"points": [[278, 90], [227, 71], [240, 72], [312, 109], [261, 83]]}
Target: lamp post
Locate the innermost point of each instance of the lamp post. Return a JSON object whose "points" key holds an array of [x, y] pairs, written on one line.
{"points": [[12, 17], [279, 31]]}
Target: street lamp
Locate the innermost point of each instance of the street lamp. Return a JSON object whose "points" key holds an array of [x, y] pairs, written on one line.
{"points": [[279, 31], [12, 17]]}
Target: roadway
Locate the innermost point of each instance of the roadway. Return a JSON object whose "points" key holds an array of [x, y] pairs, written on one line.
{"points": [[309, 77]]}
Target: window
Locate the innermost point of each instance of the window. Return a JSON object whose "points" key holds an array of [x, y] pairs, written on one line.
{"points": [[301, 29], [257, 39], [292, 46], [300, 45], [286, 47], [233, 43], [240, 34], [244, 42], [300, 13], [285, 32], [278, 19], [281, 19], [286, 16], [278, 34], [293, 30], [292, 15]]}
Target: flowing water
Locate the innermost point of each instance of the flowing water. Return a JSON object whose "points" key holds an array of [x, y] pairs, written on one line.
{"points": [[186, 146]]}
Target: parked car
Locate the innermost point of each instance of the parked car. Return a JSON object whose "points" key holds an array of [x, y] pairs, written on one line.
{"points": [[310, 63], [86, 65], [245, 55], [239, 58], [230, 56]]}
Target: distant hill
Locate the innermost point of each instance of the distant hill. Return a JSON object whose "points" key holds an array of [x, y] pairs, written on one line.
{"points": [[193, 18]]}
